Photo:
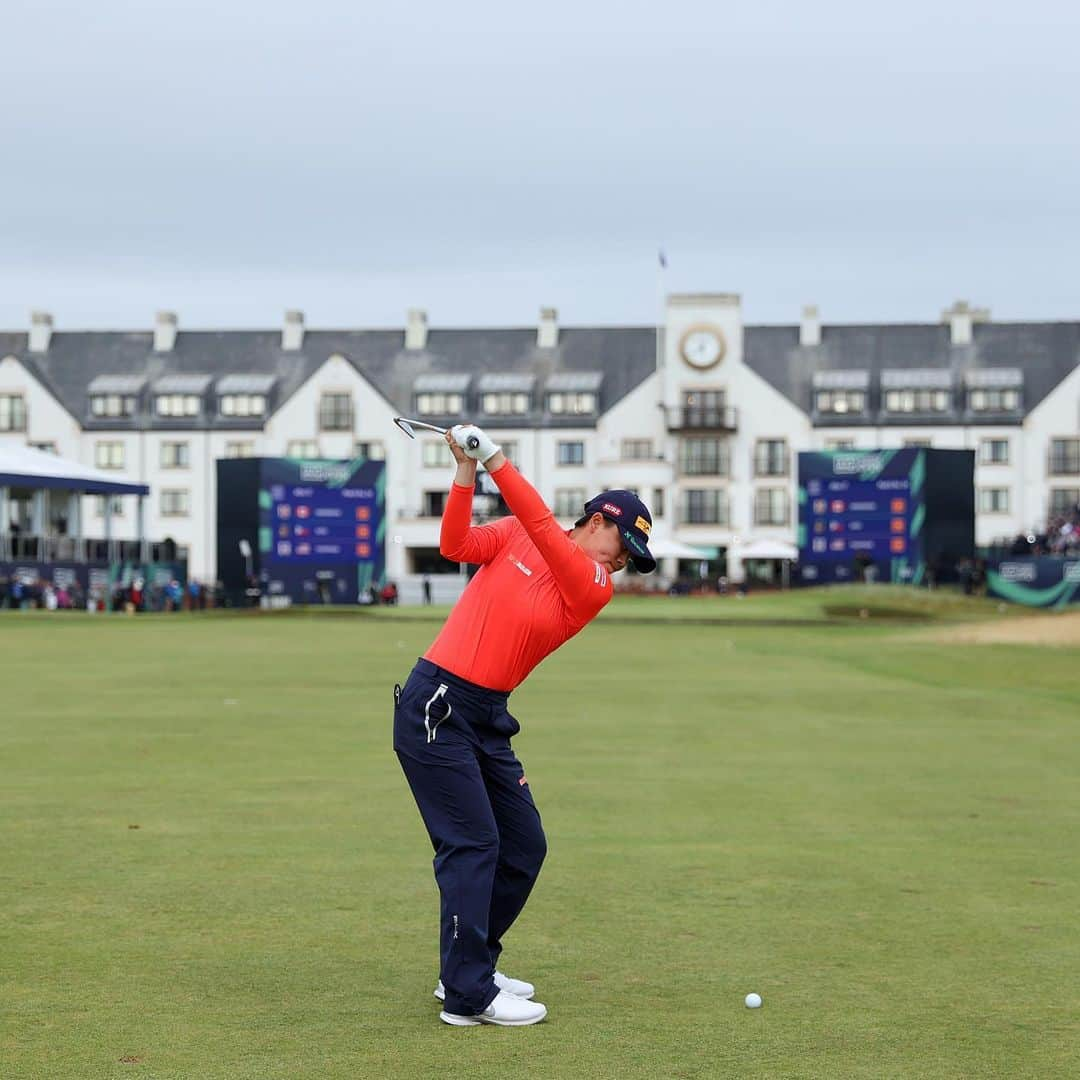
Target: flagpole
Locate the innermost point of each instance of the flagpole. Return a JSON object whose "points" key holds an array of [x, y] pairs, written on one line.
{"points": [[661, 303]]}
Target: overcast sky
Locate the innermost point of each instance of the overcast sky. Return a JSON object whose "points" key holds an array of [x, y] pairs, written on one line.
{"points": [[228, 159]]}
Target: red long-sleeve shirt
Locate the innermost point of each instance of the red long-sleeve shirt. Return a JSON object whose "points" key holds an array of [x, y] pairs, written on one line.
{"points": [[536, 588]]}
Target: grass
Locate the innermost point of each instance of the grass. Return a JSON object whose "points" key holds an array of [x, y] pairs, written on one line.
{"points": [[210, 864]]}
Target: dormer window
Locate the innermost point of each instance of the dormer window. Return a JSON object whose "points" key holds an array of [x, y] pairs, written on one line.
{"points": [[113, 405], [115, 397], [242, 397], [440, 393], [571, 404], [994, 390], [574, 393], [918, 391], [243, 405], [179, 396], [505, 394], [173, 405], [841, 393]]}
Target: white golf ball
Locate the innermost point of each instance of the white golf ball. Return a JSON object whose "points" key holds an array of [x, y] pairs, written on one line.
{"points": [[753, 1001]]}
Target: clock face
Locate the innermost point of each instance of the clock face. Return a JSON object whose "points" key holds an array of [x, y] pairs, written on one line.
{"points": [[702, 346]]}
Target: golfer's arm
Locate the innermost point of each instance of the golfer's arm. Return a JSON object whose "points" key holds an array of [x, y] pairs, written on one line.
{"points": [[458, 540]]}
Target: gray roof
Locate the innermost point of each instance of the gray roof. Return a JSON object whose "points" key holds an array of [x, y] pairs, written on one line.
{"points": [[994, 377], [841, 380], [1044, 352]]}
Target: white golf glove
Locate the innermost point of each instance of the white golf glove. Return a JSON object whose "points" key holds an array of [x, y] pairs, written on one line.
{"points": [[477, 444]]}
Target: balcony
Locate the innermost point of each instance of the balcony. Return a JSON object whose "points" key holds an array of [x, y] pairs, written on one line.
{"points": [[696, 418]]}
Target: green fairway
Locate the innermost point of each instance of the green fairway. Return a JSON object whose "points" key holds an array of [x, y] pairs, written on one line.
{"points": [[211, 866]]}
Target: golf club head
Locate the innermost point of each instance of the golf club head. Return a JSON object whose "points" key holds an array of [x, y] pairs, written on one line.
{"points": [[405, 426]]}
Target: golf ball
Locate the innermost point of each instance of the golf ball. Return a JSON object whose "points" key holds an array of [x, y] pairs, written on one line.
{"points": [[753, 1001]]}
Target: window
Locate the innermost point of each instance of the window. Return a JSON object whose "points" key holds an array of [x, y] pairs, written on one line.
{"points": [[569, 503], [841, 402], [705, 507], [243, 405], [336, 412], [434, 503], [993, 500], [1063, 501], [571, 404], [437, 454], [117, 505], [372, 451], [302, 448], [703, 457], [657, 503], [12, 412], [109, 455], [177, 405], [994, 452], [771, 506], [510, 452], [504, 402], [175, 455], [917, 401], [771, 457], [439, 404], [1064, 457], [839, 444], [704, 408], [112, 405], [571, 453], [994, 399], [44, 447], [637, 450], [242, 448], [175, 503]]}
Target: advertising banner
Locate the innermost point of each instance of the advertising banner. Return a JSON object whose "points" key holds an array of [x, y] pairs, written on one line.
{"points": [[1036, 581]]}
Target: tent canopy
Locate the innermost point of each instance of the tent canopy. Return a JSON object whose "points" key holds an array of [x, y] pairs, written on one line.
{"points": [[675, 549], [768, 549], [23, 466]]}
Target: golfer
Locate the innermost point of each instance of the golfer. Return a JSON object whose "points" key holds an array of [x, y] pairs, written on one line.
{"points": [[538, 585]]}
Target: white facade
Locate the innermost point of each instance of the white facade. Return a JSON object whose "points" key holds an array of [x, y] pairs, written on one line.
{"points": [[719, 482]]}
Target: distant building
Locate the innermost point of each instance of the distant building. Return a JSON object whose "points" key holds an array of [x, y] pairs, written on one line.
{"points": [[703, 419]]}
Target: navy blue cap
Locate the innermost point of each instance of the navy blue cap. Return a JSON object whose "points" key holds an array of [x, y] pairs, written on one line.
{"points": [[632, 516]]}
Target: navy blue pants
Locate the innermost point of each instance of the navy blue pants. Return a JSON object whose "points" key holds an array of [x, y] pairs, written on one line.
{"points": [[453, 741]]}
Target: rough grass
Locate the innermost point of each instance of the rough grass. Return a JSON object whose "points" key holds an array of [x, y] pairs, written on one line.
{"points": [[210, 865]]}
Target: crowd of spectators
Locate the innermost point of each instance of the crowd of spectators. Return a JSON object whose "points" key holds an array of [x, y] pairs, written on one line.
{"points": [[1060, 537], [18, 593]]}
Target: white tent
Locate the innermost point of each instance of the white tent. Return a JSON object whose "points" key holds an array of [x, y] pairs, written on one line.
{"points": [[768, 549], [23, 466], [675, 549]]}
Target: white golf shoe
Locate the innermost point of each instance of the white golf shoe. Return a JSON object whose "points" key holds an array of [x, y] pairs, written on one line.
{"points": [[503, 982], [506, 1011]]}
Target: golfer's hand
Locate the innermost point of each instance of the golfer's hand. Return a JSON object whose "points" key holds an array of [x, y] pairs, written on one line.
{"points": [[476, 444], [459, 455]]}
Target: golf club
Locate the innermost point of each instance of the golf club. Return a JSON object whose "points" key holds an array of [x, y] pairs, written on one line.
{"points": [[408, 427]]}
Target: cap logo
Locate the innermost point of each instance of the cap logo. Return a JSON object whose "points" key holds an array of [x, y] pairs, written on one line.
{"points": [[643, 525], [611, 508]]}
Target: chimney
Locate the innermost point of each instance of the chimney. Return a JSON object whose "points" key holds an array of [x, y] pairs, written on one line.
{"points": [[165, 331], [416, 329], [41, 326], [292, 335], [961, 319], [547, 333], [810, 326]]}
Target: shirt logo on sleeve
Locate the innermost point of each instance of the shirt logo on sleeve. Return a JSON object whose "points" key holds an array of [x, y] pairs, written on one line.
{"points": [[601, 576]]}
